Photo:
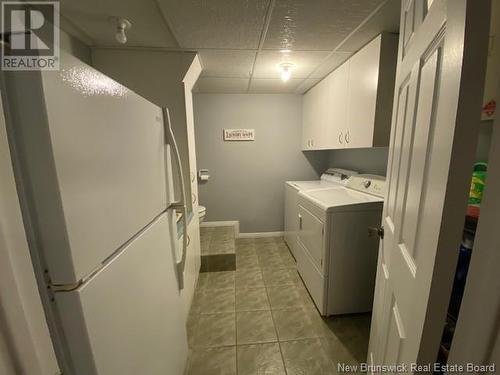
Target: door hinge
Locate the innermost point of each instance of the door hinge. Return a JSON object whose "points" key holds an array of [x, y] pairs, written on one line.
{"points": [[48, 283], [376, 231]]}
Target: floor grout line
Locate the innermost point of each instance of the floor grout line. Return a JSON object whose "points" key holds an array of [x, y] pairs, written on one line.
{"points": [[277, 335], [303, 305]]}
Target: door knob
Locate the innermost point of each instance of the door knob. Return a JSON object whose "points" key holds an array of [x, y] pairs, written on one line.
{"points": [[376, 231]]}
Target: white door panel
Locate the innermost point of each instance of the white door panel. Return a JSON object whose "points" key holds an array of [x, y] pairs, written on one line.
{"points": [[291, 218], [429, 105], [313, 278], [127, 319], [311, 236], [108, 149]]}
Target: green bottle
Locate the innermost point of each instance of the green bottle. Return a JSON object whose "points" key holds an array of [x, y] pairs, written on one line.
{"points": [[478, 183]]}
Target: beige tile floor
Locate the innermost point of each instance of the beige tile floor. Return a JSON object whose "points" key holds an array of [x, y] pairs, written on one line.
{"points": [[260, 319]]}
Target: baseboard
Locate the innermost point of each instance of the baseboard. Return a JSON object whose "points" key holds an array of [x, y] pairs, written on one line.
{"points": [[237, 233], [219, 223], [233, 223], [261, 234]]}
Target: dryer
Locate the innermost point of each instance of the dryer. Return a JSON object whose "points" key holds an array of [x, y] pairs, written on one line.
{"points": [[331, 178], [336, 257]]}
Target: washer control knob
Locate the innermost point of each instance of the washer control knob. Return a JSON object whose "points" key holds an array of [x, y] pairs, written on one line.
{"points": [[367, 183]]}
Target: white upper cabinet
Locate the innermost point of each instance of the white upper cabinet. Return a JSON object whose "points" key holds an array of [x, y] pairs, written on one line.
{"points": [[315, 115], [336, 132], [363, 68], [352, 106]]}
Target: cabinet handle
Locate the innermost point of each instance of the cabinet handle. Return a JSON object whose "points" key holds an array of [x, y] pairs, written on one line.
{"points": [[347, 137], [300, 222], [340, 138], [193, 176], [188, 240], [312, 142], [194, 198]]}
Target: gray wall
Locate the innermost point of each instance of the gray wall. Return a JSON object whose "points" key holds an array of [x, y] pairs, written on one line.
{"points": [[362, 160], [247, 178]]}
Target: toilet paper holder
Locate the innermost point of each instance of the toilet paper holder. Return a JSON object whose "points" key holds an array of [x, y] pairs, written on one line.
{"points": [[203, 175]]}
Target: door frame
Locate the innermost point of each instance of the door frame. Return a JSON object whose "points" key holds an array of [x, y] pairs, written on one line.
{"points": [[477, 338], [25, 341]]}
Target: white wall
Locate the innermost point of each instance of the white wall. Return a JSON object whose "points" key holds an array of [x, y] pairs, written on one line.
{"points": [[247, 178]]}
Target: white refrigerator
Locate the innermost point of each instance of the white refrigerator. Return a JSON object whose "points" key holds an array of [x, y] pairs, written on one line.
{"points": [[93, 166]]}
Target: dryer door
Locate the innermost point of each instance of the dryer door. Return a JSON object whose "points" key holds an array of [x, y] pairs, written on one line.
{"points": [[311, 231]]}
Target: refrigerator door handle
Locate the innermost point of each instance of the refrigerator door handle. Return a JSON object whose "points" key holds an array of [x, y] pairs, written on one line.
{"points": [[181, 205]]}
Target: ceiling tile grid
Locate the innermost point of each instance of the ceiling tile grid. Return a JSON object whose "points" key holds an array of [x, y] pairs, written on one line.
{"points": [[216, 23], [221, 85], [94, 18], [226, 63], [268, 63], [315, 25], [273, 86], [241, 43]]}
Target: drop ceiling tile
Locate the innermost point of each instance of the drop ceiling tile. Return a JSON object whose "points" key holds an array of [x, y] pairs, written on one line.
{"points": [[216, 23], [91, 17], [226, 63], [304, 62], [333, 62], [306, 84], [273, 86], [221, 85], [315, 24], [386, 19]]}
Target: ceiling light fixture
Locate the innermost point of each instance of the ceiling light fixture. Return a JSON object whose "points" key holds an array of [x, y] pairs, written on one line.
{"points": [[286, 71], [122, 24]]}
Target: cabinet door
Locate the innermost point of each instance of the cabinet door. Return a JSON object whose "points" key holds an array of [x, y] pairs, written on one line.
{"points": [[311, 235], [363, 82], [321, 115], [320, 95], [307, 119], [338, 107]]}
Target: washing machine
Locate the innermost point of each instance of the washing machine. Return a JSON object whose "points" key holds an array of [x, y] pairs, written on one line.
{"points": [[336, 257], [331, 178]]}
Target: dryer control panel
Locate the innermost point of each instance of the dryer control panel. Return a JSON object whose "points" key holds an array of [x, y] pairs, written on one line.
{"points": [[368, 183]]}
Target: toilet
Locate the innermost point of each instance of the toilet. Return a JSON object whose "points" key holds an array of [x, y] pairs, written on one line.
{"points": [[201, 213]]}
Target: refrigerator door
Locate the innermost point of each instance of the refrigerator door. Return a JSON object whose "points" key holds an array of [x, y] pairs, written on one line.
{"points": [[94, 164], [127, 318]]}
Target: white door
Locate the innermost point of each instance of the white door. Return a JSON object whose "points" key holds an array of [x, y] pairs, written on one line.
{"points": [[431, 154]]}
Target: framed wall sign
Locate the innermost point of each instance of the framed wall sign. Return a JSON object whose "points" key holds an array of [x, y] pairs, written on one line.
{"points": [[239, 134]]}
